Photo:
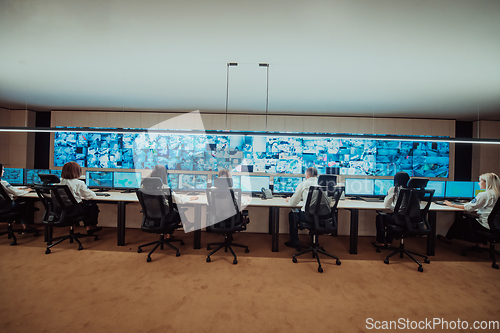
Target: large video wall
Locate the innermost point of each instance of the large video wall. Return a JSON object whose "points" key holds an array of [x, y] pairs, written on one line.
{"points": [[269, 154]]}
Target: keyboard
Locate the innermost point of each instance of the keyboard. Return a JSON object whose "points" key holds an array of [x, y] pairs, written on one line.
{"points": [[102, 194], [371, 199]]}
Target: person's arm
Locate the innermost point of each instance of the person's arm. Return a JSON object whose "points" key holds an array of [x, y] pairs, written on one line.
{"points": [[295, 199], [12, 190], [85, 193], [389, 198], [476, 203], [179, 199], [454, 205]]}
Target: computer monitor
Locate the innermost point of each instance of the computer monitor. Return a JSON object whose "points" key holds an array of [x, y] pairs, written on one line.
{"points": [[459, 190], [328, 183], [31, 176], [254, 183], [477, 189], [173, 180], [189, 182], [13, 176], [382, 186], [438, 186], [57, 172], [359, 186], [286, 184], [99, 179], [126, 180]]}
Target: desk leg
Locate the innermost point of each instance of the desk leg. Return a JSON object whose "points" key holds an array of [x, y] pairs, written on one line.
{"points": [[431, 238], [353, 234], [197, 231], [120, 223], [274, 221]]}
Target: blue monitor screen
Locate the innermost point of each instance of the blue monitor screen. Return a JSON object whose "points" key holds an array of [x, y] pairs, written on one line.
{"points": [[192, 182], [13, 176], [438, 186], [382, 186], [101, 179], [286, 184], [173, 180], [359, 186], [477, 189], [56, 172], [254, 183], [126, 180], [31, 176], [456, 189], [236, 181]]}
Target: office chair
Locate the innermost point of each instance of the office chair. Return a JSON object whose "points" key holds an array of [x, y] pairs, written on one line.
{"points": [[158, 214], [320, 219], [61, 210], [224, 218], [409, 220], [492, 236], [10, 215]]}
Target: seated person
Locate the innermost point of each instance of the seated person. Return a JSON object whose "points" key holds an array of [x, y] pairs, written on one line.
{"points": [[482, 204], [301, 193], [245, 199], [17, 203], [400, 181], [71, 171], [160, 171]]}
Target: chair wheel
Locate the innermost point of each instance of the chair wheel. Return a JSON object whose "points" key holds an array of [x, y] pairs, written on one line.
{"points": [[294, 260], [139, 250], [13, 243], [495, 266], [208, 247], [80, 248], [208, 259], [235, 262], [182, 242], [378, 250], [338, 262], [177, 254], [320, 269], [386, 261], [427, 261], [47, 251], [420, 269], [96, 238], [247, 250], [148, 259]]}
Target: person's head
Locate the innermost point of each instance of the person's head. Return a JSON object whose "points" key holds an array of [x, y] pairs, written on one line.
{"points": [[401, 179], [160, 171], [225, 173], [1, 170], [71, 170], [490, 181], [311, 172]]}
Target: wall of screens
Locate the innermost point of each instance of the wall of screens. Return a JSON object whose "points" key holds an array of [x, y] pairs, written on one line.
{"points": [[269, 154]]}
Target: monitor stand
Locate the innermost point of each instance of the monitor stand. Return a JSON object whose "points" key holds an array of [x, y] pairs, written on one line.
{"points": [[102, 189], [130, 190]]}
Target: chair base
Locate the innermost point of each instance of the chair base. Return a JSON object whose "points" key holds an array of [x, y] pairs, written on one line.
{"points": [[227, 244], [315, 248], [160, 243], [490, 249], [11, 233], [402, 251], [72, 237]]}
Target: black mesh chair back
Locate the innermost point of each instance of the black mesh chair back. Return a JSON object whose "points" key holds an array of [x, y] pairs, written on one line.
{"points": [[410, 219], [224, 218], [5, 201], [494, 218], [159, 215], [320, 219], [7, 214]]}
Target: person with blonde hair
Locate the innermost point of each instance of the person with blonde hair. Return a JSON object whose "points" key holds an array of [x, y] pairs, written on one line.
{"points": [[482, 204]]}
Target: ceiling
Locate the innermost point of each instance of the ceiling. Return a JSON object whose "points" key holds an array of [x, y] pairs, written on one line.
{"points": [[396, 58]]}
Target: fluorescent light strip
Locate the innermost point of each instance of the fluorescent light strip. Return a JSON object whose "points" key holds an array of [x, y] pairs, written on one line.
{"points": [[268, 134]]}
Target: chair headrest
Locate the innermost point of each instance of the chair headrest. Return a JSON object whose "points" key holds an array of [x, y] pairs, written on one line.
{"points": [[223, 182], [49, 178], [152, 183]]}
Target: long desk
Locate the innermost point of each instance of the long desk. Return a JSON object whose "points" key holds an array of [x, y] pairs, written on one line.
{"points": [[274, 205]]}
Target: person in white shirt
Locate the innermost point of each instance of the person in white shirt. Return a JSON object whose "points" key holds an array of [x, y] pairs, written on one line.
{"points": [[301, 193], [18, 203], [482, 204], [71, 171], [383, 239]]}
